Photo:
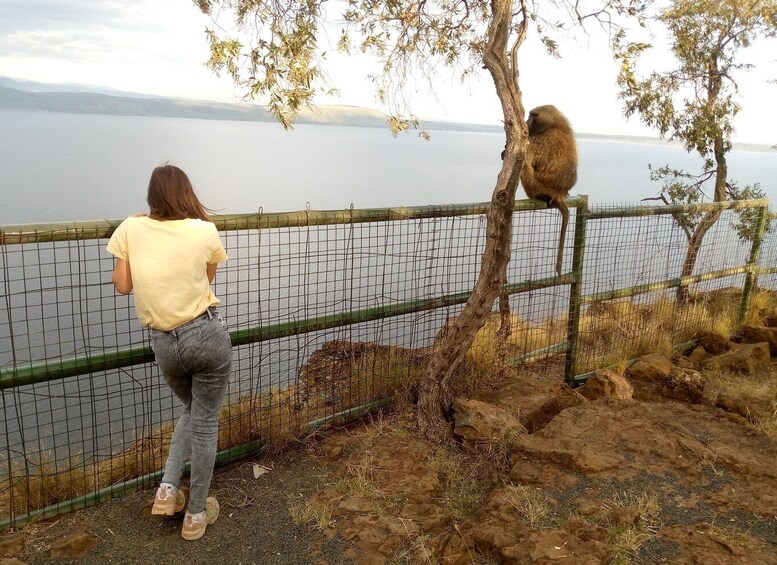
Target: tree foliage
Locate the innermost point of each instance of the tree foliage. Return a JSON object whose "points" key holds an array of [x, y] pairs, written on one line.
{"points": [[696, 101], [276, 50]]}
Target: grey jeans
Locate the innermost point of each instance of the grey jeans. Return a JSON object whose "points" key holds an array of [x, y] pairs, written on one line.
{"points": [[196, 361]]}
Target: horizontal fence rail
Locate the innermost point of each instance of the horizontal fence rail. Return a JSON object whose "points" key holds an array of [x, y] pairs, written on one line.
{"points": [[330, 312]]}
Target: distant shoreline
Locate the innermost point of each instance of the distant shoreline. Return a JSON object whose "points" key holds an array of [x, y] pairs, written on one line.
{"points": [[39, 97]]}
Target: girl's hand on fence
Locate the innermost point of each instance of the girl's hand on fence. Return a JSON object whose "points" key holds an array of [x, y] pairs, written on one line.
{"points": [[139, 215]]}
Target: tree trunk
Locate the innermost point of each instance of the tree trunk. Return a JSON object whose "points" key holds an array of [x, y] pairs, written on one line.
{"points": [[709, 219], [505, 326], [694, 245], [434, 399]]}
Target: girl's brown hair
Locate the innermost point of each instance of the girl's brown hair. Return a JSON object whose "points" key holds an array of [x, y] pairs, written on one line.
{"points": [[171, 196]]}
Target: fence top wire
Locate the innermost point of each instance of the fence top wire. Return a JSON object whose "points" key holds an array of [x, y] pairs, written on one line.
{"points": [[630, 210], [101, 229]]}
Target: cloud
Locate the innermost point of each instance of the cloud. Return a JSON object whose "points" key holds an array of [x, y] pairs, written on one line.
{"points": [[98, 31]]}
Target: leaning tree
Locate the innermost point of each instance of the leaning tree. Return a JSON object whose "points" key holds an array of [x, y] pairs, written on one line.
{"points": [[274, 51], [695, 102]]}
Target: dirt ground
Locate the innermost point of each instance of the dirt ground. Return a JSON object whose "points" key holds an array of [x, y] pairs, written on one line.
{"points": [[603, 481], [254, 527]]}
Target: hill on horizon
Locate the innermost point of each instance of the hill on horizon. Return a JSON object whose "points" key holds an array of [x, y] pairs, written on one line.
{"points": [[82, 99], [86, 99]]}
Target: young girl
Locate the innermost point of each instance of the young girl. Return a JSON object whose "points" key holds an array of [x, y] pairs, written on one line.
{"points": [[169, 258]]}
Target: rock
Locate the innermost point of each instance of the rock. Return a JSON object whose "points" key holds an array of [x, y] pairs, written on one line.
{"points": [[475, 420], [607, 384], [758, 334], [534, 402], [759, 350], [556, 546], [746, 406], [354, 504], [331, 373], [430, 516], [685, 385], [403, 527], [685, 363], [744, 357], [499, 525], [650, 368], [713, 342], [541, 475], [647, 377], [698, 355]]}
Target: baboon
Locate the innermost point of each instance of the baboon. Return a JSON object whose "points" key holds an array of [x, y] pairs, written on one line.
{"points": [[550, 168]]}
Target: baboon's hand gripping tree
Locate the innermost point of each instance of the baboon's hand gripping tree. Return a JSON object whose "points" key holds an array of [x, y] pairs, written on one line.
{"points": [[273, 51]]}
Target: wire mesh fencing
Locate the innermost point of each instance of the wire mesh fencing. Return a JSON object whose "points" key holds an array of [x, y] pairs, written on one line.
{"points": [[648, 289], [330, 314]]}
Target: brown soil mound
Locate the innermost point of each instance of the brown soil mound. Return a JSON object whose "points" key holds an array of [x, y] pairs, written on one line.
{"points": [[609, 481]]}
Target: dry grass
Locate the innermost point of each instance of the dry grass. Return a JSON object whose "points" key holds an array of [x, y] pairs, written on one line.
{"points": [[312, 514], [532, 505], [415, 551], [359, 481], [626, 539], [465, 482], [612, 332], [761, 387], [732, 537]]}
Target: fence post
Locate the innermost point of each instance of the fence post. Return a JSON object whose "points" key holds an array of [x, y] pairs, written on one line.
{"points": [[752, 266], [573, 318]]}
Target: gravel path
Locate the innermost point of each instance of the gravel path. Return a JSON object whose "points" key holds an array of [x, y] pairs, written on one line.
{"points": [[254, 526]]}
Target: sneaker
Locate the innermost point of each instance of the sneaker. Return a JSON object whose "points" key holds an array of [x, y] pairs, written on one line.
{"points": [[168, 501], [194, 524]]}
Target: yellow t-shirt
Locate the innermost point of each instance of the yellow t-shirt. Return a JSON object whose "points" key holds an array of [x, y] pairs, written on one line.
{"points": [[168, 262]]}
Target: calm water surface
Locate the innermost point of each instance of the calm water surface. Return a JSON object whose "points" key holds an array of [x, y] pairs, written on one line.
{"points": [[60, 167]]}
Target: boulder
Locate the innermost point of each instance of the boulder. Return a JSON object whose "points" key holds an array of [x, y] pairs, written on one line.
{"points": [[759, 350], [747, 406], [607, 384], [475, 420], [759, 334], [744, 358], [535, 402], [713, 342], [698, 355], [647, 376], [685, 385], [429, 516], [651, 368], [685, 363], [542, 475]]}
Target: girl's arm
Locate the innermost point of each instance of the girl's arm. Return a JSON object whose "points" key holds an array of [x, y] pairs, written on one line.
{"points": [[212, 271], [122, 276]]}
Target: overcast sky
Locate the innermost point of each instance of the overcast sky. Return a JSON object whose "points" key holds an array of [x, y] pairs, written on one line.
{"points": [[159, 47]]}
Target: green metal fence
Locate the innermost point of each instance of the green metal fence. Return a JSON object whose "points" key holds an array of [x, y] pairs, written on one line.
{"points": [[330, 312]]}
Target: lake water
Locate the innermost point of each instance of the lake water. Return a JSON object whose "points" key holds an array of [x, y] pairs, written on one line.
{"points": [[58, 299], [61, 167]]}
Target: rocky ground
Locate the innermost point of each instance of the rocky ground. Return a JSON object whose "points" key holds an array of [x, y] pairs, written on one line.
{"points": [[647, 467]]}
